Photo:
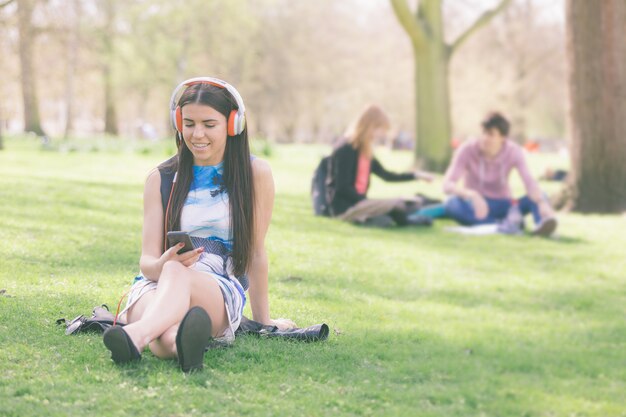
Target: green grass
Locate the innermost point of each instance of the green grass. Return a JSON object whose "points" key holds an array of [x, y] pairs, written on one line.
{"points": [[423, 321]]}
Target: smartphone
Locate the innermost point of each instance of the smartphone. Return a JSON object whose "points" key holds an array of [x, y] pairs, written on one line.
{"points": [[177, 237]]}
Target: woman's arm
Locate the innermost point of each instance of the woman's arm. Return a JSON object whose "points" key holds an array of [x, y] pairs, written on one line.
{"points": [[152, 235], [258, 267], [532, 188], [451, 185], [455, 171], [152, 255], [381, 172]]}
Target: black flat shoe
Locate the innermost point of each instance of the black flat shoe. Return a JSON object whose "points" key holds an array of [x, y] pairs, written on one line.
{"points": [[546, 228], [122, 348], [194, 334]]}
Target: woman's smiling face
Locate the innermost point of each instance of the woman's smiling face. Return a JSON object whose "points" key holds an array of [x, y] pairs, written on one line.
{"points": [[204, 133]]}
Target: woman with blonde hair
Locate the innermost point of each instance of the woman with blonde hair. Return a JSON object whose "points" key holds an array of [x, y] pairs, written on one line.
{"points": [[350, 166]]}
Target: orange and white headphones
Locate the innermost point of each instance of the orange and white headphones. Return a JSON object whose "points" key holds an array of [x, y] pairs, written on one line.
{"points": [[236, 124], [236, 119]]}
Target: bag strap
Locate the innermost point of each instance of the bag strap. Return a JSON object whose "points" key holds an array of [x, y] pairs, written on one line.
{"points": [[119, 304]]}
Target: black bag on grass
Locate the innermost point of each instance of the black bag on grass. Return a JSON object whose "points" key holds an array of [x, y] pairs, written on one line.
{"points": [[100, 320], [310, 334]]}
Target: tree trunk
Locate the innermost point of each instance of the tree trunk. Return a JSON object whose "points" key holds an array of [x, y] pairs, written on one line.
{"points": [[597, 81], [433, 127], [73, 43], [110, 113], [32, 121]]}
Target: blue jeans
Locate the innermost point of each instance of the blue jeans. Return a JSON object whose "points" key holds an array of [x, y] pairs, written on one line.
{"points": [[462, 210]]}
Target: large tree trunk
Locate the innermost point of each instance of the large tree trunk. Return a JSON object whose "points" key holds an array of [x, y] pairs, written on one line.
{"points": [[433, 128], [73, 43], [2, 5], [110, 113], [596, 33], [27, 35]]}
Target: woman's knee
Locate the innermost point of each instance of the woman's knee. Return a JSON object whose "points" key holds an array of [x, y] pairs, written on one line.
{"points": [[460, 210], [455, 206], [171, 266], [174, 270]]}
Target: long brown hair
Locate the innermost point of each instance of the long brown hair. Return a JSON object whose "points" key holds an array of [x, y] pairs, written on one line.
{"points": [[360, 134], [237, 175]]}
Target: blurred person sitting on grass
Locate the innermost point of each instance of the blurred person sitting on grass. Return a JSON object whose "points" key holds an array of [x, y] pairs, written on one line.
{"points": [[485, 197], [223, 198], [350, 166]]}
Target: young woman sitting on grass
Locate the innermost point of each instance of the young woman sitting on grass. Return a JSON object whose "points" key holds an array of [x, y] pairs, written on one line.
{"points": [[349, 172], [485, 196], [223, 198]]}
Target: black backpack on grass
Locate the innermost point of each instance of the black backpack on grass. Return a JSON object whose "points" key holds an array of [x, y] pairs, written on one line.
{"points": [[100, 320], [318, 188]]}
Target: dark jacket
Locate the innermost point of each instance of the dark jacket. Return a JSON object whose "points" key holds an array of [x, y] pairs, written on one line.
{"points": [[340, 190]]}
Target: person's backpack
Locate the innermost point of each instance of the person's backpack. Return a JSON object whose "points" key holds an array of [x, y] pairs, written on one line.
{"points": [[100, 320], [318, 188], [315, 333]]}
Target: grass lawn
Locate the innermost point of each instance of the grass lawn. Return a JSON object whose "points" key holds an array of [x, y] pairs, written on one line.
{"points": [[423, 321]]}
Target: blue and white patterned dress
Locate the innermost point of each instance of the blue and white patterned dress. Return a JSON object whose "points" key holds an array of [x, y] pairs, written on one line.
{"points": [[206, 217]]}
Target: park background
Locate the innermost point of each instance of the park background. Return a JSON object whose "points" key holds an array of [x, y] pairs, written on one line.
{"points": [[424, 322]]}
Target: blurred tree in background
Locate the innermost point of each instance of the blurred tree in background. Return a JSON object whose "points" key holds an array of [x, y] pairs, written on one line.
{"points": [[2, 5], [596, 44], [305, 69], [27, 34], [107, 55], [425, 27]]}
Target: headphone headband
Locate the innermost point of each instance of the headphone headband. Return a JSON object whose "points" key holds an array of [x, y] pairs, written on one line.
{"points": [[236, 121]]}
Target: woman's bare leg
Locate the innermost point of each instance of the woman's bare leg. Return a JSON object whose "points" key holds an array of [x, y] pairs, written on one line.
{"points": [[179, 288], [136, 311], [164, 346], [160, 349]]}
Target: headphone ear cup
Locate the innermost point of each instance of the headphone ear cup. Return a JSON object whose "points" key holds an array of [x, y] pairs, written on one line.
{"points": [[179, 119], [232, 123], [241, 122]]}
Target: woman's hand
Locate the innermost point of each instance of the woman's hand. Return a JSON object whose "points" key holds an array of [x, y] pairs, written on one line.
{"points": [[283, 324], [545, 211], [188, 258], [424, 176], [481, 209]]}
